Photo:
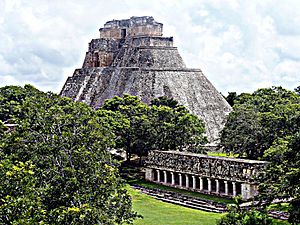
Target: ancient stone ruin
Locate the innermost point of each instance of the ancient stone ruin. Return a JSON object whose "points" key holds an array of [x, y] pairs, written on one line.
{"points": [[222, 176], [131, 56]]}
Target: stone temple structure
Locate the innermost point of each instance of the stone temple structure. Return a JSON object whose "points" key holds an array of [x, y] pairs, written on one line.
{"points": [[221, 176], [131, 56]]}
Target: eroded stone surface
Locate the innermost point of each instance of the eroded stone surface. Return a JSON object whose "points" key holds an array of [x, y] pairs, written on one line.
{"points": [[231, 169], [207, 174], [131, 56]]}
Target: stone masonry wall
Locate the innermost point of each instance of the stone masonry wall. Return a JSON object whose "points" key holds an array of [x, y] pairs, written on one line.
{"points": [[237, 170]]}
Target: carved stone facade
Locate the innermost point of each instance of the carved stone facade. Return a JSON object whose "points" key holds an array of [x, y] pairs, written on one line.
{"points": [[135, 26], [202, 173], [131, 56]]}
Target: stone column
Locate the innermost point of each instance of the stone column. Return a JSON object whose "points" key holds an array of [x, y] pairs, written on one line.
{"points": [[186, 180], [201, 183], [149, 174], [194, 182], [158, 175], [217, 186], [226, 187], [233, 189], [165, 177], [209, 184], [173, 178], [248, 191], [180, 179]]}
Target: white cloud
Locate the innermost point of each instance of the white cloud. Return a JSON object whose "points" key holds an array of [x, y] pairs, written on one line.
{"points": [[239, 45]]}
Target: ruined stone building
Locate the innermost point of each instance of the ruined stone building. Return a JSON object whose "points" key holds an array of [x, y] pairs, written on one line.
{"points": [[220, 176], [131, 56]]}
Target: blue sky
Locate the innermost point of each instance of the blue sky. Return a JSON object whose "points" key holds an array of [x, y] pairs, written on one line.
{"points": [[239, 45]]}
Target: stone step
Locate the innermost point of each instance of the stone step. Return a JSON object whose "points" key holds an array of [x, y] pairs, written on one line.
{"points": [[206, 206], [186, 204], [279, 215], [176, 198]]}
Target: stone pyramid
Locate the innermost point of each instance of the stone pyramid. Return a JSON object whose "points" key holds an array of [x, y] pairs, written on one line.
{"points": [[131, 56]]}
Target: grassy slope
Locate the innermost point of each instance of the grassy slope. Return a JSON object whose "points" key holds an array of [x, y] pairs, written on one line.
{"points": [[156, 212]]}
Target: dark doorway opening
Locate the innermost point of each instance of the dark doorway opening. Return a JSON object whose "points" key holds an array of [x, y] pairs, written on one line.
{"points": [[176, 178], [197, 183], [222, 186], [96, 60], [238, 188], [169, 177], [190, 181], [205, 184], [213, 185], [183, 180], [162, 176], [123, 33], [154, 175]]}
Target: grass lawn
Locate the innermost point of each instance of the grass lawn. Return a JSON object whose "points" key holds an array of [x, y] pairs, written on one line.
{"points": [[280, 207], [156, 212], [222, 154]]}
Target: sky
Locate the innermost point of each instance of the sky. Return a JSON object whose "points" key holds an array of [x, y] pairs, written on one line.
{"points": [[239, 45]]}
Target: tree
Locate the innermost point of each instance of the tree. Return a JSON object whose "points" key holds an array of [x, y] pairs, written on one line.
{"points": [[75, 180], [2, 129], [133, 136], [243, 133], [175, 128], [11, 98], [230, 98], [297, 90], [20, 202], [265, 125], [243, 216], [163, 125], [258, 120], [282, 175]]}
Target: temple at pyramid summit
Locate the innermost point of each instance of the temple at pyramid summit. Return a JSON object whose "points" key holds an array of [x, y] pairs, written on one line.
{"points": [[132, 56]]}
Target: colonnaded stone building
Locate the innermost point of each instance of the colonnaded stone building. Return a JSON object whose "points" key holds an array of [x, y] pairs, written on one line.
{"points": [[222, 176], [131, 56]]}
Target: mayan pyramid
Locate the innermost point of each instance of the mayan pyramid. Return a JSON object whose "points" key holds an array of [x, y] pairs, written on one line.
{"points": [[131, 56]]}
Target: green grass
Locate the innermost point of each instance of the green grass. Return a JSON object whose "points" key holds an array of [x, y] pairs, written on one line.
{"points": [[185, 192], [222, 154], [279, 206], [156, 212]]}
